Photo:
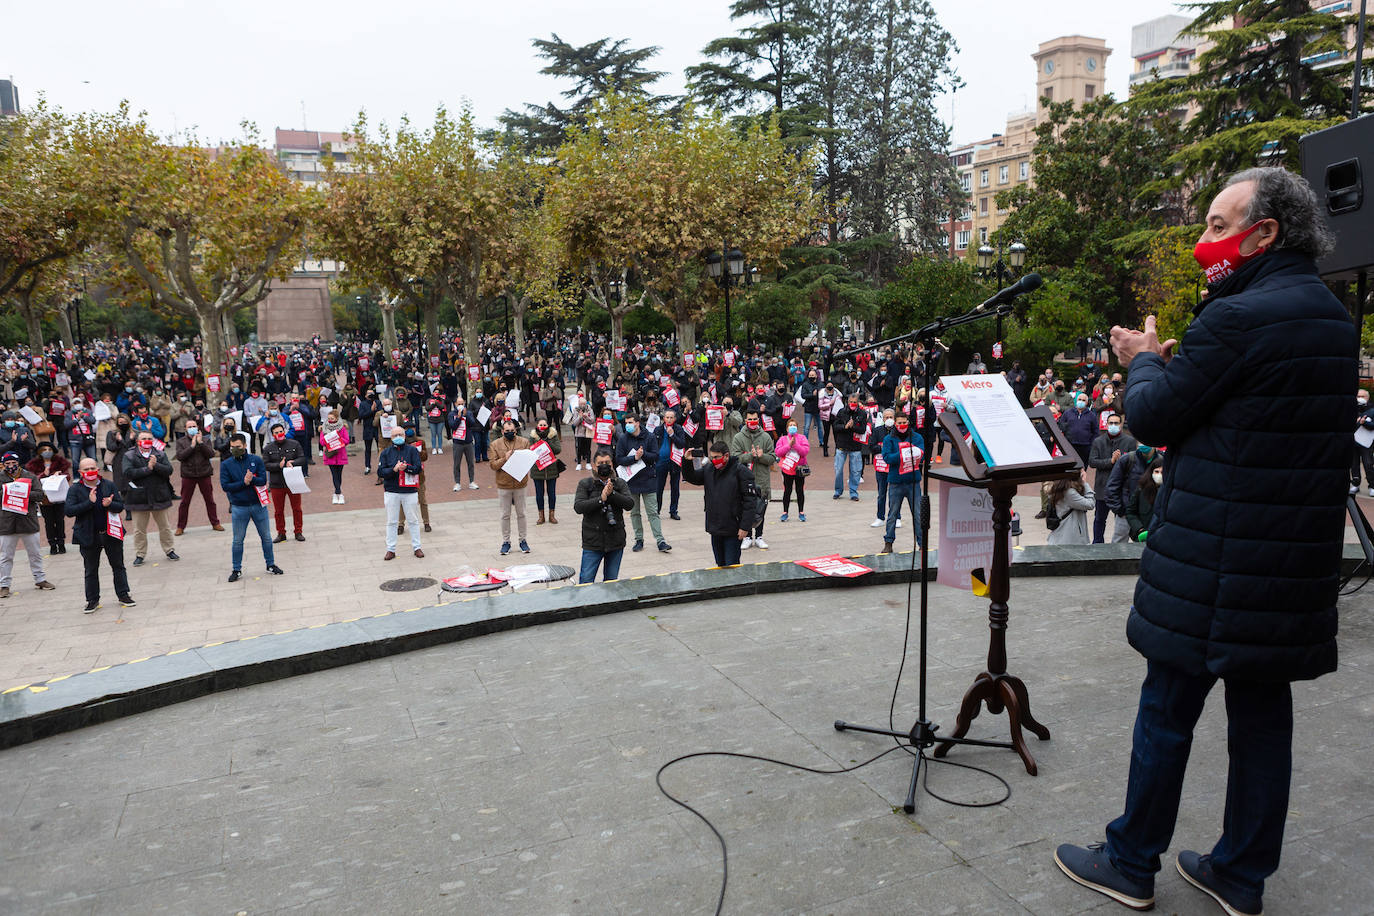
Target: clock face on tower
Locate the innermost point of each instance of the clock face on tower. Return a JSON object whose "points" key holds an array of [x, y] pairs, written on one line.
{"points": [[1049, 67], [1091, 64]]}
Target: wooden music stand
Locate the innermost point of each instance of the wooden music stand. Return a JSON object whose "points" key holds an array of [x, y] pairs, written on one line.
{"points": [[995, 687]]}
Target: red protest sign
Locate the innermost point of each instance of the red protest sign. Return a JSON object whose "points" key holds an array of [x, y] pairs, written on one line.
{"points": [[543, 454], [715, 417], [835, 566], [605, 429]]}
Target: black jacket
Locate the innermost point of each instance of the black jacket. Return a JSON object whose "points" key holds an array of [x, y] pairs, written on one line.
{"points": [[147, 488], [91, 518], [596, 533], [274, 453], [732, 500], [1240, 573]]}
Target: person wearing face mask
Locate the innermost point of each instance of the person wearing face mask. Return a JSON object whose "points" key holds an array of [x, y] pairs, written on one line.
{"points": [[828, 402], [21, 528], [901, 452], [148, 494], [398, 468], [334, 430], [512, 491], [195, 452], [754, 449], [1071, 501], [92, 503], [369, 405], [579, 417], [299, 418], [103, 428], [546, 479], [1142, 505], [1108, 448], [243, 478], [1364, 454], [254, 410], [48, 463], [119, 441], [17, 437], [280, 452], [669, 436], [878, 433], [1042, 390], [462, 431], [1079, 424], [811, 409], [602, 501], [791, 451], [80, 427], [1240, 574], [730, 497], [1126, 474], [849, 422], [226, 431], [633, 446]]}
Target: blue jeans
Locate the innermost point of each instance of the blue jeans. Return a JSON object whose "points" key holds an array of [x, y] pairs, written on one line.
{"points": [[239, 517], [856, 463], [542, 487], [591, 559], [1259, 725], [78, 450], [436, 435], [810, 420], [669, 473], [896, 492], [726, 548]]}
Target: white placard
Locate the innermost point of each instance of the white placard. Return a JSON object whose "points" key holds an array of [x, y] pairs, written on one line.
{"points": [[483, 415], [101, 411], [519, 463], [1000, 427], [1364, 437], [186, 360], [28, 413], [294, 478], [387, 424], [55, 487], [627, 472], [90, 376], [236, 416]]}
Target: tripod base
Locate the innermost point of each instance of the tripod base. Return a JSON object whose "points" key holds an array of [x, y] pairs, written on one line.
{"points": [[921, 736], [998, 691]]}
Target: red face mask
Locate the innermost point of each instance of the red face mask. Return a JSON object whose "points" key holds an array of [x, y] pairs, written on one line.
{"points": [[279, 435], [719, 461], [90, 476], [1222, 258], [752, 424], [902, 428]]}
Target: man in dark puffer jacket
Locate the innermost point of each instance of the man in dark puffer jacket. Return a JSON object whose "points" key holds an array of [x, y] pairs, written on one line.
{"points": [[1239, 577]]}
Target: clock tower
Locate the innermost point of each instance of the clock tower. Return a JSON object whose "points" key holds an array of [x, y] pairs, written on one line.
{"points": [[1071, 68]]}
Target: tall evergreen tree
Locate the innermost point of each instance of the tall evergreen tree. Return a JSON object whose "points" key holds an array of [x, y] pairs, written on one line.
{"points": [[762, 62], [1276, 70], [903, 181], [596, 69], [828, 56]]}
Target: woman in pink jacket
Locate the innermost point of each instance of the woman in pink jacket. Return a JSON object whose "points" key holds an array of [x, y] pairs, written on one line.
{"points": [[792, 450], [334, 432]]}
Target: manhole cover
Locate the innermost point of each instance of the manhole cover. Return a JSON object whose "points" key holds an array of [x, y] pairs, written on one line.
{"points": [[409, 585]]}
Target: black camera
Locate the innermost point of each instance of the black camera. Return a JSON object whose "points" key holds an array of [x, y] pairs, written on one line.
{"points": [[608, 511]]}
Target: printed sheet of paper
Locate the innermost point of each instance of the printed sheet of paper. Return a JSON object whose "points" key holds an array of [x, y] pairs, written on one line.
{"points": [[294, 478], [28, 413], [1000, 427], [483, 415], [101, 411], [519, 463], [627, 472], [1364, 437], [55, 487]]}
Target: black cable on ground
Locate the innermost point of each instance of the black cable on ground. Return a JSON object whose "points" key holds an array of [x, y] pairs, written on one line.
{"points": [[891, 717]]}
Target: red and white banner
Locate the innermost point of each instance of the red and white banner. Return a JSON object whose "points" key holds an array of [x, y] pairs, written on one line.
{"points": [[789, 463], [880, 464], [474, 373], [788, 409], [911, 457], [965, 534], [434, 360], [689, 427], [768, 423], [332, 441], [363, 363], [605, 430], [114, 526], [728, 357], [543, 454], [835, 566], [395, 356], [16, 496], [212, 383], [997, 350], [461, 432], [263, 496], [675, 455], [715, 418], [688, 360], [671, 396], [297, 422]]}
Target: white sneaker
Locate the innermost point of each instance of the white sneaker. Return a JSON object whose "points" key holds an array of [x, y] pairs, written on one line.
{"points": [[457, 487], [760, 543], [341, 499], [1354, 489], [473, 485], [1371, 491], [746, 543], [899, 523], [877, 523], [579, 466]]}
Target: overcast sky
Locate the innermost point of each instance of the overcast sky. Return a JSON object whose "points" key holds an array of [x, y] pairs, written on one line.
{"points": [[209, 66]]}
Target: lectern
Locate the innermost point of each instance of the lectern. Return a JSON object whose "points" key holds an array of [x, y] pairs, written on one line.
{"points": [[995, 687]]}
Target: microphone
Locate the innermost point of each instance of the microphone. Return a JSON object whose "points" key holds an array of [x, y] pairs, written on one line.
{"points": [[1026, 284]]}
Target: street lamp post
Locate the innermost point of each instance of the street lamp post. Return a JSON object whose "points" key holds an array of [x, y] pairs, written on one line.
{"points": [[726, 267], [1002, 269]]}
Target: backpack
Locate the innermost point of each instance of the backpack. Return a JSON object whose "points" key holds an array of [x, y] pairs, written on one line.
{"points": [[1052, 520]]}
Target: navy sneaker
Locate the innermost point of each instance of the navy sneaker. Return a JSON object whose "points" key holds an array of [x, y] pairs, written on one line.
{"points": [[1091, 867], [505, 548], [523, 546], [1197, 870]]}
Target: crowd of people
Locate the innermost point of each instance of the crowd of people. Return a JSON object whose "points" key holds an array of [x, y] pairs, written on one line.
{"points": [[142, 412]]}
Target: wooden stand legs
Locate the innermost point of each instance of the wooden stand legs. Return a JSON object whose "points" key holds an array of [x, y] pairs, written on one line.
{"points": [[995, 687]]}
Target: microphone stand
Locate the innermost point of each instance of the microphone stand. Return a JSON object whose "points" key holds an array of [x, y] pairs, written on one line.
{"points": [[922, 734]]}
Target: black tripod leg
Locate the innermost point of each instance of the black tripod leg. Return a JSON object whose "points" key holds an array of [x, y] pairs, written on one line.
{"points": [[910, 806]]}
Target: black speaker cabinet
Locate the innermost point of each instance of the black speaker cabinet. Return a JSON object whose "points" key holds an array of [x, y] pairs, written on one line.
{"points": [[1339, 164]]}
